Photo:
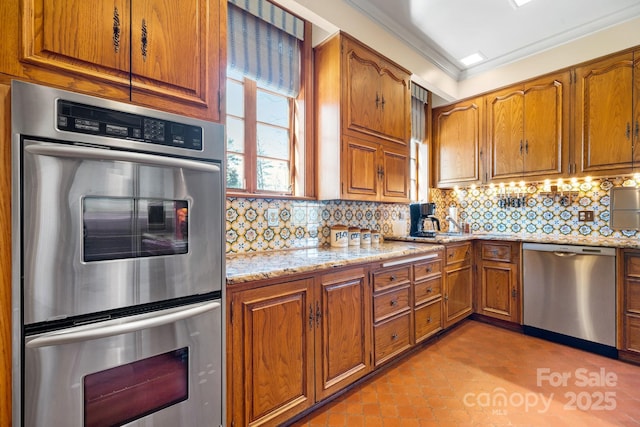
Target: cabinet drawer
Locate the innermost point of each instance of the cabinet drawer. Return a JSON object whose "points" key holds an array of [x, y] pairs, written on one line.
{"points": [[632, 266], [387, 278], [632, 331], [392, 337], [497, 252], [458, 253], [387, 304], [427, 269], [633, 296], [427, 290], [428, 320]]}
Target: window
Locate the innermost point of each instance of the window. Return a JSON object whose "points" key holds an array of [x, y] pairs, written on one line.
{"points": [[266, 80], [418, 153]]}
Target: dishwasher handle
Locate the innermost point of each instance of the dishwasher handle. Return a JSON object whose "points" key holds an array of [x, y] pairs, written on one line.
{"points": [[564, 254]]}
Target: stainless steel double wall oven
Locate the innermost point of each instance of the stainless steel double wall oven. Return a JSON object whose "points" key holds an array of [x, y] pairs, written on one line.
{"points": [[118, 265]]}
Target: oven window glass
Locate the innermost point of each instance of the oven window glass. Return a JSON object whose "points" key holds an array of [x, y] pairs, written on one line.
{"points": [[117, 228], [125, 393]]}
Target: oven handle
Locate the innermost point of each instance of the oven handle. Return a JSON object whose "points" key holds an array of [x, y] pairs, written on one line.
{"points": [[91, 153], [120, 326]]}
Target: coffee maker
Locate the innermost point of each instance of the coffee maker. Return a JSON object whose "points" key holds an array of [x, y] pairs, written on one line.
{"points": [[423, 221]]}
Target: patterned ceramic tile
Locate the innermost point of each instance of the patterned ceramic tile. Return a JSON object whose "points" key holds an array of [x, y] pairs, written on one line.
{"points": [[301, 224], [543, 213]]}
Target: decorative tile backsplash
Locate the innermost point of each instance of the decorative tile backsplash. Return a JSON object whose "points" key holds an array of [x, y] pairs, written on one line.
{"points": [[307, 223], [300, 223], [543, 213]]}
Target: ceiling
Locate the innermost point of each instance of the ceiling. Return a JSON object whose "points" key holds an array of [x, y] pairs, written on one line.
{"points": [[444, 31]]}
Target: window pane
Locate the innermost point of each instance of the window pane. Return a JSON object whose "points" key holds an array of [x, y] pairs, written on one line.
{"points": [[272, 109], [273, 142], [235, 171], [235, 135], [235, 98], [273, 175]]}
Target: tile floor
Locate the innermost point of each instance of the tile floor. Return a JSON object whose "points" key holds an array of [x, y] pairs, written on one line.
{"points": [[482, 375]]}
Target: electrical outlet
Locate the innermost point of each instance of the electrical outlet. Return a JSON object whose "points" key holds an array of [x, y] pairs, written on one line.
{"points": [[585, 216], [273, 218]]}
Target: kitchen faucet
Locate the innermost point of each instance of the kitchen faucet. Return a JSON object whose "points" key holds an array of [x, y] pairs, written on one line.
{"points": [[454, 222]]}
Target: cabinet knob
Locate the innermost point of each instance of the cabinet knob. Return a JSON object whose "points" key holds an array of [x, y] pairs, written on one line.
{"points": [[394, 302], [394, 336], [429, 319], [393, 278], [429, 269], [429, 290]]}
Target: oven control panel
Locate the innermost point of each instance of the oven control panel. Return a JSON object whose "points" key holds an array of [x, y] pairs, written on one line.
{"points": [[82, 118]]}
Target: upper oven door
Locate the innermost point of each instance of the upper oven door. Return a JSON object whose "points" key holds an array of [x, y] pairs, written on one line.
{"points": [[105, 229]]}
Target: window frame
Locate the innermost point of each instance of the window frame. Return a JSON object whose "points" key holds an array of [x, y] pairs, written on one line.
{"points": [[301, 141]]}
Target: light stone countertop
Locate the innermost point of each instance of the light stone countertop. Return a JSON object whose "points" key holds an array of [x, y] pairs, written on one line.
{"points": [[610, 242], [252, 266]]}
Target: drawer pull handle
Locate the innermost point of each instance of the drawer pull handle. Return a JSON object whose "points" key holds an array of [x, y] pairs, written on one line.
{"points": [[392, 278], [428, 319], [429, 290], [394, 336], [429, 269], [394, 302]]}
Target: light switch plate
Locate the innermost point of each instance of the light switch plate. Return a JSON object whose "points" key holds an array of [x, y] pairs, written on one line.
{"points": [[273, 219], [585, 216]]}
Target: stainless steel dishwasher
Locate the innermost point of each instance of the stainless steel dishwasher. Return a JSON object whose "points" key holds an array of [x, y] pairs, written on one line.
{"points": [[570, 295]]}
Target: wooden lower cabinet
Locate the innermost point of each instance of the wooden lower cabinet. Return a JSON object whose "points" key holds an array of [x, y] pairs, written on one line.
{"points": [[498, 280], [629, 304], [457, 283], [343, 335], [294, 343], [272, 353]]}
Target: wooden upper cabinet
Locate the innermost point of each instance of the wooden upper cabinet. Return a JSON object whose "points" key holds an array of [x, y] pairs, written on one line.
{"points": [[158, 53], [605, 126], [378, 94], [458, 140], [363, 123], [528, 128]]}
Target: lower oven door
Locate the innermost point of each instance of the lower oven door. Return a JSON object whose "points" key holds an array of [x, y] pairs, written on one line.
{"points": [[155, 369]]}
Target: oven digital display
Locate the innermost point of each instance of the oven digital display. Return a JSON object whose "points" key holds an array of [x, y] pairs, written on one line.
{"points": [[119, 395], [118, 228]]}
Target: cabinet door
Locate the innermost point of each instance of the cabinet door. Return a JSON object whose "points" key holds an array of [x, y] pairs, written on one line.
{"points": [[361, 170], [272, 346], [457, 132], [395, 105], [343, 340], [97, 46], [363, 93], [546, 125], [458, 294], [604, 103], [176, 55], [505, 110], [499, 290], [395, 174]]}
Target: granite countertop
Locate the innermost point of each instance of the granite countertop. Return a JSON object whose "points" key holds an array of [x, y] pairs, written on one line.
{"points": [[611, 242], [270, 264]]}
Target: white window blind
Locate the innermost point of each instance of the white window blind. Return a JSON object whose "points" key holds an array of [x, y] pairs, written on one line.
{"points": [[264, 44]]}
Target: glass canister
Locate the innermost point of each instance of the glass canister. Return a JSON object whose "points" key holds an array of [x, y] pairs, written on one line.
{"points": [[339, 236], [354, 236]]}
